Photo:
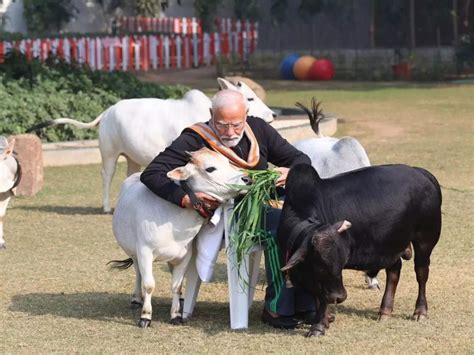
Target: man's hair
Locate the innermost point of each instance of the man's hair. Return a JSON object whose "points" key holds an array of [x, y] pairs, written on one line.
{"points": [[227, 97]]}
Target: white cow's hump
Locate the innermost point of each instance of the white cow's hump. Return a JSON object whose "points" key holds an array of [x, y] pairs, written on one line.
{"points": [[332, 156]]}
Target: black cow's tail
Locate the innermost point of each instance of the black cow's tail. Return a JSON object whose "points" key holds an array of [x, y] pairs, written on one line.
{"points": [[433, 180], [121, 264]]}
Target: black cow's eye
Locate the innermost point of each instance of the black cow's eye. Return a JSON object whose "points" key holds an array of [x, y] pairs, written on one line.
{"points": [[210, 169], [250, 99]]}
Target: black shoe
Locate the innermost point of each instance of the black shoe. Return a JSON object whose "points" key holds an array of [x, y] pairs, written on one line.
{"points": [[280, 322]]}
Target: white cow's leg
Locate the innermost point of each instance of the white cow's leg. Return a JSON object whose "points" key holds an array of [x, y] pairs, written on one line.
{"points": [[177, 277], [145, 265], [132, 167], [2, 241], [137, 297], [109, 165], [3, 209]]}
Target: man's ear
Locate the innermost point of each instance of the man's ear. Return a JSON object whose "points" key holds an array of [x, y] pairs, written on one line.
{"points": [[179, 174], [297, 257], [224, 84]]}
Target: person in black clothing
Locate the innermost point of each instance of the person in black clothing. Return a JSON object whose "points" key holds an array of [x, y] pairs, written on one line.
{"points": [[248, 142]]}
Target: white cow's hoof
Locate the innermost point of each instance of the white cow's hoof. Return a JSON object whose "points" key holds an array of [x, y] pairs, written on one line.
{"points": [[374, 287], [144, 323], [372, 283], [177, 320]]}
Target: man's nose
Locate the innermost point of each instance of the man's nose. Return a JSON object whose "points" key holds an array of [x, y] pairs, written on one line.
{"points": [[229, 130]]}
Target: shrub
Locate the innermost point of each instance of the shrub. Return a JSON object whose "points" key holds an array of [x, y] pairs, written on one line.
{"points": [[33, 92]]}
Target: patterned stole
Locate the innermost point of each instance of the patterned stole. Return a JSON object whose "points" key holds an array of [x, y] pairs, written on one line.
{"points": [[210, 137]]}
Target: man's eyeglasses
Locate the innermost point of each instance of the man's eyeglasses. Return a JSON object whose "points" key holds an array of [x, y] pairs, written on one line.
{"points": [[222, 126]]}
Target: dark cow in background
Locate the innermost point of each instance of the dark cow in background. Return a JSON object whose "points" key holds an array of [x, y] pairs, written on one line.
{"points": [[389, 207]]}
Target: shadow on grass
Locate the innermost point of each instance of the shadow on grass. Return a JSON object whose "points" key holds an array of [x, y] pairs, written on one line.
{"points": [[210, 317], [351, 311], [64, 210]]}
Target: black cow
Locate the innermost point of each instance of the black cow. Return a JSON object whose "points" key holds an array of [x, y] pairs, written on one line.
{"points": [[389, 207]]}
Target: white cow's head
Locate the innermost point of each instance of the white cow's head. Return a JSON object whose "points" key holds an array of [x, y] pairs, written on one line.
{"points": [[210, 172], [9, 168], [256, 106]]}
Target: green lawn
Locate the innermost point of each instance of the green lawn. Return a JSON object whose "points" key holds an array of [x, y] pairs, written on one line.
{"points": [[56, 293]]}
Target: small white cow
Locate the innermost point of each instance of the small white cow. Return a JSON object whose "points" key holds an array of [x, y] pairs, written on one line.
{"points": [[139, 129], [10, 175], [150, 228], [333, 156]]}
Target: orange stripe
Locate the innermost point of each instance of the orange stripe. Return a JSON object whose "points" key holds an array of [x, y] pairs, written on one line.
{"points": [[208, 134]]}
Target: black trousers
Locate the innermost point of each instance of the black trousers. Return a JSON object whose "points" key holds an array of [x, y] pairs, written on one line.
{"points": [[279, 298]]}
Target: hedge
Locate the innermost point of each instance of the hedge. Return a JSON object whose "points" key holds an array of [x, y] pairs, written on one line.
{"points": [[32, 92]]}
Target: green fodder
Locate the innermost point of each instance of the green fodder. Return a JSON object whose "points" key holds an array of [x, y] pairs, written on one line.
{"points": [[248, 217]]}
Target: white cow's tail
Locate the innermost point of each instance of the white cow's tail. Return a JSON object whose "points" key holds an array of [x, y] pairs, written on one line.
{"points": [[121, 264], [59, 121], [315, 116]]}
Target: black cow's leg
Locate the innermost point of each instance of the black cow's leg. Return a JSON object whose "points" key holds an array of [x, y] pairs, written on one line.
{"points": [[393, 275], [422, 270], [318, 328]]}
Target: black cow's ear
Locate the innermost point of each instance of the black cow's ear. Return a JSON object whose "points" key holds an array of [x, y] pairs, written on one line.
{"points": [[297, 257]]}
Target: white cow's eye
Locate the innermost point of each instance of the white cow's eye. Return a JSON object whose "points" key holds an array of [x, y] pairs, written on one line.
{"points": [[210, 169], [250, 99]]}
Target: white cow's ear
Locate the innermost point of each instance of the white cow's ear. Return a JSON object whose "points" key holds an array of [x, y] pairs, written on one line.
{"points": [[224, 84], [8, 150], [179, 174]]}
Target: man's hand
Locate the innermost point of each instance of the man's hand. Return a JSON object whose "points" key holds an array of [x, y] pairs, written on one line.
{"points": [[209, 203], [281, 181]]}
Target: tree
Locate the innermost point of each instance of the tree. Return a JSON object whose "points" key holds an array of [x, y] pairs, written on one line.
{"points": [[46, 16], [206, 11], [278, 11], [314, 7], [148, 8], [246, 10]]}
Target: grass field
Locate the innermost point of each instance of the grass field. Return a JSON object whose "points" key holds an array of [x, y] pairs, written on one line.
{"points": [[56, 293]]}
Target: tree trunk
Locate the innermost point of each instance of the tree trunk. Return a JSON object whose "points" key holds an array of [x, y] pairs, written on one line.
{"points": [[412, 24], [372, 24], [455, 22]]}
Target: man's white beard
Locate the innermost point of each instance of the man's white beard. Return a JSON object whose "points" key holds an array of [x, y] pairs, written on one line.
{"points": [[228, 142], [231, 142]]}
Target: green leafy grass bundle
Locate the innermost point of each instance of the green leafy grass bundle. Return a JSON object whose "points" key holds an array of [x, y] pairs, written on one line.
{"points": [[248, 218]]}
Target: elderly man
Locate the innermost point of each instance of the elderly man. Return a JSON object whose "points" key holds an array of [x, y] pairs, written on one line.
{"points": [[250, 143]]}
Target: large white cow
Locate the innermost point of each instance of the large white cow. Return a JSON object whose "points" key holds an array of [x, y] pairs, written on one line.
{"points": [[10, 175], [150, 228], [139, 129]]}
